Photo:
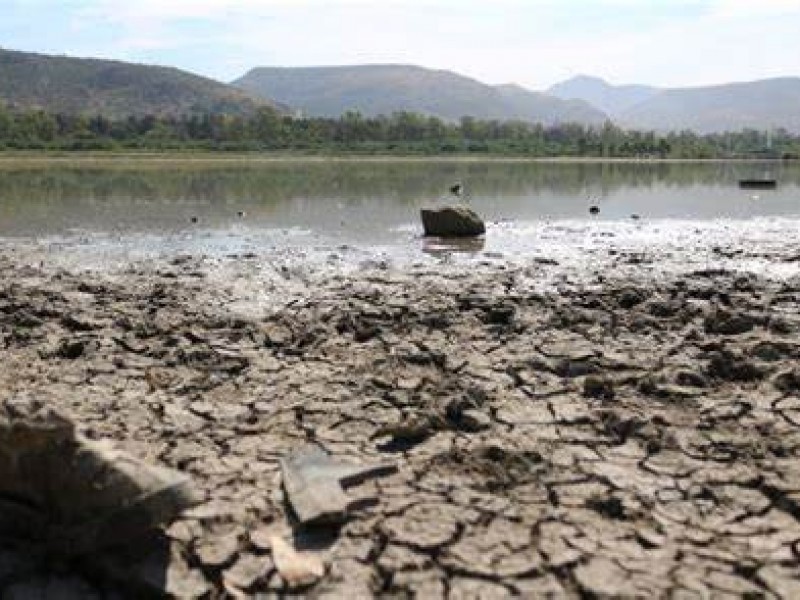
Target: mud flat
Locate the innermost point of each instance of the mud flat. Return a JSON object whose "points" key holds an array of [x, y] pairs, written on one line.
{"points": [[626, 433]]}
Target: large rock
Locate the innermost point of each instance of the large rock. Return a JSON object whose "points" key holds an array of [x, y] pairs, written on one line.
{"points": [[452, 221], [75, 495]]}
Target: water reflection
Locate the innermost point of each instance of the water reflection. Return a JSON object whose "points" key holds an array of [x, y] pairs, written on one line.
{"points": [[440, 247], [369, 200]]}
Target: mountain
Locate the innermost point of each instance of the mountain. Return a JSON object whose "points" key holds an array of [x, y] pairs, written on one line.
{"points": [[764, 104], [612, 99], [526, 105], [385, 89], [112, 88]]}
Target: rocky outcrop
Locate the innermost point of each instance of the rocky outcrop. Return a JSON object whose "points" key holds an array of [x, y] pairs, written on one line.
{"points": [[452, 221]]}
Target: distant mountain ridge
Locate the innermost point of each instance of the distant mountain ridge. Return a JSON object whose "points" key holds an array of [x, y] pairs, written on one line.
{"points": [[762, 104], [612, 99], [119, 89], [385, 89], [765, 104], [113, 88]]}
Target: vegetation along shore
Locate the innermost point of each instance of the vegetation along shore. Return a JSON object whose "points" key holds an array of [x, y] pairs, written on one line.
{"points": [[403, 133]]}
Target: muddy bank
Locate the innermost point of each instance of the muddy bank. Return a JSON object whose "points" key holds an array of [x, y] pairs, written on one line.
{"points": [[623, 435]]}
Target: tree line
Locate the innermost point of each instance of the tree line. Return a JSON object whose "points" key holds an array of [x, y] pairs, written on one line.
{"points": [[400, 133]]}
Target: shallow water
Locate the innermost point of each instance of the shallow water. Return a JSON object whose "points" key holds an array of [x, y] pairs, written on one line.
{"points": [[332, 212]]}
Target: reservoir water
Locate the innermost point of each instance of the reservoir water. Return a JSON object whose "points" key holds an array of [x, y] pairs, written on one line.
{"points": [[108, 209]]}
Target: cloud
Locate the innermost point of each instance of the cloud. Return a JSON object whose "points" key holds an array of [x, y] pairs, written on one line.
{"points": [[532, 42], [167, 10], [754, 8]]}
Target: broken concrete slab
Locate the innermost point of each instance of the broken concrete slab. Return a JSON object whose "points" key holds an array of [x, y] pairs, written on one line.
{"points": [[314, 483], [78, 496]]}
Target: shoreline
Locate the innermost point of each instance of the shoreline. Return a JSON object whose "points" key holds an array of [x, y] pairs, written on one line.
{"points": [[625, 433], [12, 158]]}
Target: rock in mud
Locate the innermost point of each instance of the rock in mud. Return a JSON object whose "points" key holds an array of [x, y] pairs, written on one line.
{"points": [[629, 297], [501, 314], [74, 495], [71, 349], [452, 221], [598, 387], [726, 323]]}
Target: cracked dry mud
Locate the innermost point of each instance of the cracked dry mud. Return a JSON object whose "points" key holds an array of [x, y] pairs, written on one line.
{"points": [[631, 437]]}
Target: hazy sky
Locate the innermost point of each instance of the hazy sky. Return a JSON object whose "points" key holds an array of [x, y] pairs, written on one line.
{"points": [[532, 42]]}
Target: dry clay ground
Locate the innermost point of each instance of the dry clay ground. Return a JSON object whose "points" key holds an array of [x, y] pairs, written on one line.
{"points": [[606, 439]]}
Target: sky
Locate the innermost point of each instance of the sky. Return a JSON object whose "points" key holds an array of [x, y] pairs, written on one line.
{"points": [[534, 43]]}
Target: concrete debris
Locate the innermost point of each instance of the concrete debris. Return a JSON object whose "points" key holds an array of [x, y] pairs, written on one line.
{"points": [[314, 482]]}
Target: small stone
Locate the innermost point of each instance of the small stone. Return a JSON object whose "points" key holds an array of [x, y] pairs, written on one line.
{"points": [[70, 349], [598, 387], [501, 314], [629, 298], [298, 569]]}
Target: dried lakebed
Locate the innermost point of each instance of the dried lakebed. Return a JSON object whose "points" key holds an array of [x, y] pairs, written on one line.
{"points": [[634, 435]]}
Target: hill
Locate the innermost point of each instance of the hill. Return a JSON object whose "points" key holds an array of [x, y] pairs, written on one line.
{"points": [[112, 88], [612, 99], [384, 89], [764, 104], [522, 103]]}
